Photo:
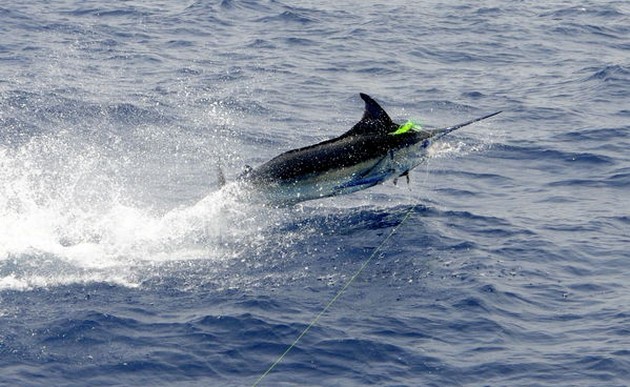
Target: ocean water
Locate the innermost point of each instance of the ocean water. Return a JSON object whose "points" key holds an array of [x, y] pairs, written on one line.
{"points": [[121, 263]]}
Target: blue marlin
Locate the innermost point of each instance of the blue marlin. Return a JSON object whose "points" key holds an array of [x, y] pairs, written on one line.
{"points": [[374, 150]]}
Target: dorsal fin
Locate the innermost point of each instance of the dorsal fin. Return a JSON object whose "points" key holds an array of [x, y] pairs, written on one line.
{"points": [[374, 111], [375, 120]]}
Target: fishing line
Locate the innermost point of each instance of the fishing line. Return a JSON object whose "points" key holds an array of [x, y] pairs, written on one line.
{"points": [[336, 297]]}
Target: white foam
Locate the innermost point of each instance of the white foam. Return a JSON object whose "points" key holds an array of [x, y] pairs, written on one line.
{"points": [[63, 219]]}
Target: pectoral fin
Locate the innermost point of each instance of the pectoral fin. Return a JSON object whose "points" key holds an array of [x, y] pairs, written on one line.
{"points": [[406, 174]]}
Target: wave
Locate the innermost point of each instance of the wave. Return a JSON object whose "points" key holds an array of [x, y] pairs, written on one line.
{"points": [[605, 11], [609, 73]]}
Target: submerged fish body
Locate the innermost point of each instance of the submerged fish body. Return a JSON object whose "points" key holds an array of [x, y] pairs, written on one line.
{"points": [[375, 150]]}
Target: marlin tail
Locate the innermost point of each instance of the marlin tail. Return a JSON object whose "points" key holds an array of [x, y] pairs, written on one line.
{"points": [[376, 149]]}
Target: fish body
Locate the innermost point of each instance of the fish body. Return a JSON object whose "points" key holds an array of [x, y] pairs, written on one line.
{"points": [[374, 150]]}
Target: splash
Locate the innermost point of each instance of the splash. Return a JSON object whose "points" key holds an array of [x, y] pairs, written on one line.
{"points": [[66, 216], [455, 146]]}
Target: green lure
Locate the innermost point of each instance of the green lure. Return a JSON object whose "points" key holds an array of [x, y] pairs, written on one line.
{"points": [[407, 126]]}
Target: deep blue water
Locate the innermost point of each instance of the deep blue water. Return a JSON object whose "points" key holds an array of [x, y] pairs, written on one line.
{"points": [[120, 264]]}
